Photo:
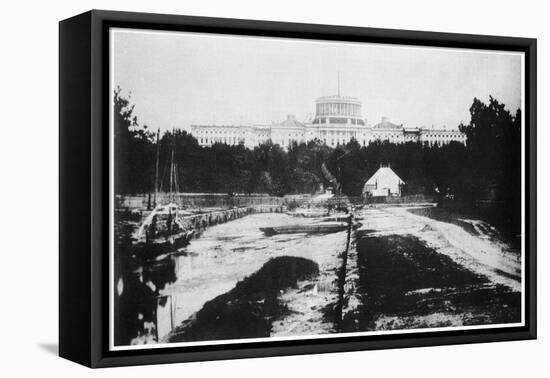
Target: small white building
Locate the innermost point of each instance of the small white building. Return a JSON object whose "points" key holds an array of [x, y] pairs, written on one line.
{"points": [[383, 183]]}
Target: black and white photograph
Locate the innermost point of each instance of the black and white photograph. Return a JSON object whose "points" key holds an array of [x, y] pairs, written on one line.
{"points": [[272, 189], [268, 189]]}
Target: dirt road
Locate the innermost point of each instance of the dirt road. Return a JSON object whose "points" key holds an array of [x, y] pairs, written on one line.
{"points": [[411, 271]]}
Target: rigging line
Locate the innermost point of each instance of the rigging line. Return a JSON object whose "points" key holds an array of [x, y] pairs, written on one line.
{"points": [[163, 176], [176, 183]]}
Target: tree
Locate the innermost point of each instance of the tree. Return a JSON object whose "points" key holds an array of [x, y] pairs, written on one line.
{"points": [[133, 149], [494, 159]]}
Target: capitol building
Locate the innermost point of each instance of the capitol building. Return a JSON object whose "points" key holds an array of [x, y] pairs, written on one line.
{"points": [[337, 120]]}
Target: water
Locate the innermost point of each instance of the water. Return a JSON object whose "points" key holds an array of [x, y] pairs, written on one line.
{"points": [[213, 264]]}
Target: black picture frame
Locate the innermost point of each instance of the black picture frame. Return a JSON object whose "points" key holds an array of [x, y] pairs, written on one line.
{"points": [[83, 180]]}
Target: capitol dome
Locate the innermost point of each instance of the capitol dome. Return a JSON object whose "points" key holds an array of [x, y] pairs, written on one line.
{"points": [[338, 110]]}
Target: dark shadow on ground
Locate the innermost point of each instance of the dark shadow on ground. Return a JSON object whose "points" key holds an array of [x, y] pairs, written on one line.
{"points": [[248, 310]]}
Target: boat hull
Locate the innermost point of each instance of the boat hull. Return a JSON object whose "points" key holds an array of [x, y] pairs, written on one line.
{"points": [[308, 214], [314, 228]]}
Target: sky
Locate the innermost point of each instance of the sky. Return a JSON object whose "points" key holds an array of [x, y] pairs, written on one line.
{"points": [[177, 79]]}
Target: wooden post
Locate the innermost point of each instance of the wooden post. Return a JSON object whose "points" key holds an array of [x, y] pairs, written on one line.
{"points": [[172, 326], [157, 319]]}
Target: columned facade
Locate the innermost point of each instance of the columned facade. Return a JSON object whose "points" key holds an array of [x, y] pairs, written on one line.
{"points": [[337, 121]]}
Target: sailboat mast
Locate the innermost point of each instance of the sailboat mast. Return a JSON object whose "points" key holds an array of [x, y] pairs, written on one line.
{"points": [[157, 168], [172, 171], [176, 184]]}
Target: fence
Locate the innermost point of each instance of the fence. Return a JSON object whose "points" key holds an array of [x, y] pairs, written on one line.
{"points": [[412, 198], [197, 200]]}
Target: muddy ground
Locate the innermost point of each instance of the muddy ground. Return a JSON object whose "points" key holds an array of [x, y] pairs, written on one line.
{"points": [[414, 271], [473, 225], [403, 283]]}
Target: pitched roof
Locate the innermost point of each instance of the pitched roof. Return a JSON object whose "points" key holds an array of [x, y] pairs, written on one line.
{"points": [[383, 173]]}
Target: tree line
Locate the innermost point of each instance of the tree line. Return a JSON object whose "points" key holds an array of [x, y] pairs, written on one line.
{"points": [[487, 168]]}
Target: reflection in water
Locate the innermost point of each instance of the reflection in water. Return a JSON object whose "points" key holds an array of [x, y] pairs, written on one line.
{"points": [[139, 279], [162, 291]]}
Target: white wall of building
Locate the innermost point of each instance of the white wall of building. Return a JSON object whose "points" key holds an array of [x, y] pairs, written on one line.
{"points": [[331, 134]]}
